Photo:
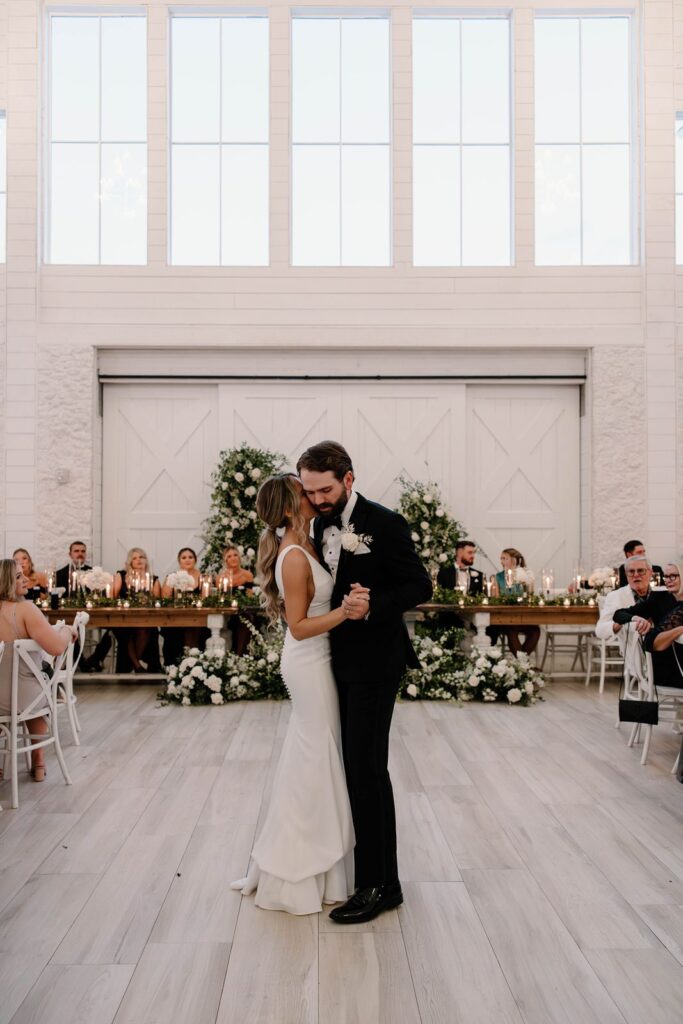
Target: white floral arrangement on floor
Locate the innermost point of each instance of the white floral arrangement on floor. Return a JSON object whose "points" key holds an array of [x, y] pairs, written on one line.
{"points": [[492, 676], [433, 529], [181, 580], [441, 661], [603, 578], [203, 677], [95, 578]]}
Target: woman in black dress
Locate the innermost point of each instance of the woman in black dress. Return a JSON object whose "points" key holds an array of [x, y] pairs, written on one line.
{"points": [[659, 619], [137, 648]]}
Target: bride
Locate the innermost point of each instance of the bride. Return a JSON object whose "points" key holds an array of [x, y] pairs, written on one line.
{"points": [[303, 856]]}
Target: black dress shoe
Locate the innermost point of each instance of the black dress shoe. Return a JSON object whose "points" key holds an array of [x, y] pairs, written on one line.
{"points": [[366, 904]]}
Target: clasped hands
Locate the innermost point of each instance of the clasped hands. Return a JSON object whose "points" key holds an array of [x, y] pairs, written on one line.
{"points": [[641, 625], [356, 603]]}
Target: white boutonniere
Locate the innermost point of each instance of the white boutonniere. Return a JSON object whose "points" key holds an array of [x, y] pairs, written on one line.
{"points": [[355, 543]]}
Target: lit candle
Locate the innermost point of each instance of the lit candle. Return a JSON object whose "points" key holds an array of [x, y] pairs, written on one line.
{"points": [[541, 603], [206, 587], [591, 602], [566, 602], [461, 603], [488, 588], [126, 604], [107, 591], [578, 582], [88, 604], [485, 600], [233, 604], [157, 604], [613, 580]]}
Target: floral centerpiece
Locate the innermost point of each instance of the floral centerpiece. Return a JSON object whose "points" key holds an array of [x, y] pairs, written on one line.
{"points": [[180, 580], [96, 579], [204, 677], [492, 676], [603, 578], [433, 529], [525, 578], [233, 518]]}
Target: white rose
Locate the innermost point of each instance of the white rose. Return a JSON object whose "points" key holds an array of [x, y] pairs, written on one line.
{"points": [[529, 688], [428, 499], [414, 495], [217, 698], [411, 690], [473, 680], [443, 557], [481, 663], [239, 477], [224, 521], [234, 524], [186, 701], [214, 683], [271, 657], [255, 474], [194, 651], [238, 503], [350, 541], [198, 672], [415, 537], [172, 672], [241, 690], [224, 486], [261, 663], [439, 512], [250, 491], [228, 534], [427, 552], [437, 652], [234, 681], [424, 525], [250, 552], [252, 514], [514, 695]]}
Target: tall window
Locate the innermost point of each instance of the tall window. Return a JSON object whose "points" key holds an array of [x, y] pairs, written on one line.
{"points": [[583, 141], [219, 141], [3, 185], [461, 141], [679, 188], [341, 187], [97, 186]]}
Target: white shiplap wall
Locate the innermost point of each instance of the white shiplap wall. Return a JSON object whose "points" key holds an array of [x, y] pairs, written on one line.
{"points": [[629, 317]]}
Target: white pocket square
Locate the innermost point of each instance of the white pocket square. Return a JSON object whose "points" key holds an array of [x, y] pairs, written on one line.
{"points": [[362, 549]]}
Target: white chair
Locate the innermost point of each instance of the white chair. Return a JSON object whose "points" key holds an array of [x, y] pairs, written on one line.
{"points": [[670, 704], [566, 640], [44, 705], [609, 656], [65, 681]]}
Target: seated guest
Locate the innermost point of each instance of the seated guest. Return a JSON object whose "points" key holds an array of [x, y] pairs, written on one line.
{"points": [[177, 638], [138, 647], [78, 554], [636, 547], [638, 573], [461, 574], [232, 570], [37, 581], [237, 578], [657, 614], [511, 559], [21, 620]]}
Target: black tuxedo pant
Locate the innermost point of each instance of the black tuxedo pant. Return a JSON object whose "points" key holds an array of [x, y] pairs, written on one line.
{"points": [[366, 707]]}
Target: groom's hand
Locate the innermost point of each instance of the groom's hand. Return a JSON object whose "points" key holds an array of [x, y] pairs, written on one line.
{"points": [[356, 604]]}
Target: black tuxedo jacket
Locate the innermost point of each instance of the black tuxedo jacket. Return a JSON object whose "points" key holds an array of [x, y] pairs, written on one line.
{"points": [[377, 647], [447, 579], [62, 575]]}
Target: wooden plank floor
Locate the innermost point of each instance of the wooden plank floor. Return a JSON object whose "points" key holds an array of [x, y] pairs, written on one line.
{"points": [[542, 869]]}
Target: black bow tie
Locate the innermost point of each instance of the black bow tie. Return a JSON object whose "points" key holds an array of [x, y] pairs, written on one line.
{"points": [[334, 521]]}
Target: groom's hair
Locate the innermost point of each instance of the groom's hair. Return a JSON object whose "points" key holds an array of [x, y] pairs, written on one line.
{"points": [[327, 455]]}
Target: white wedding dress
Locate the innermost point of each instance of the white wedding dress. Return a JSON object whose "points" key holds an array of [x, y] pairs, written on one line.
{"points": [[303, 856]]}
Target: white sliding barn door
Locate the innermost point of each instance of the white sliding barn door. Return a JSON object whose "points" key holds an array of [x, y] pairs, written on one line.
{"points": [[160, 446], [523, 483]]}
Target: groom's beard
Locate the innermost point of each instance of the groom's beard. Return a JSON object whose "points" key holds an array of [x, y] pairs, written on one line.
{"points": [[328, 512]]}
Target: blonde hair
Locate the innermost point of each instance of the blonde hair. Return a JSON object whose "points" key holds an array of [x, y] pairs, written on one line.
{"points": [[128, 567], [277, 504], [8, 579], [23, 551], [679, 570]]}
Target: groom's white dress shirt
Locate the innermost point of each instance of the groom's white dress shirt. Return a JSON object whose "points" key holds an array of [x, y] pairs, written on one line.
{"points": [[332, 536]]}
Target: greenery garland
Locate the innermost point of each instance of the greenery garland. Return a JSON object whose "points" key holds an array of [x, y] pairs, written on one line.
{"points": [[433, 529], [233, 518]]}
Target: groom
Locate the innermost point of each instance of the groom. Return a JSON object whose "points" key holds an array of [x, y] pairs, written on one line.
{"points": [[368, 550]]}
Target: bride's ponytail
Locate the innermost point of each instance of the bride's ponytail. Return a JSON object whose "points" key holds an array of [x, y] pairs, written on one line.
{"points": [[277, 503]]}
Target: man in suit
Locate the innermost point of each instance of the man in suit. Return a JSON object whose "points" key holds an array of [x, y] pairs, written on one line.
{"points": [[638, 573], [368, 550], [462, 574], [78, 553], [632, 548]]}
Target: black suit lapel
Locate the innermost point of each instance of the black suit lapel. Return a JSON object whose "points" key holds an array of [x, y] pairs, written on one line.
{"points": [[318, 530]]}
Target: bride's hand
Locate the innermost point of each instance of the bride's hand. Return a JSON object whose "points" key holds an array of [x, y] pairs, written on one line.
{"points": [[356, 604]]}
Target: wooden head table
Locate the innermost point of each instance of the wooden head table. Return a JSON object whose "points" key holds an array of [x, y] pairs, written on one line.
{"points": [[483, 615], [130, 618]]}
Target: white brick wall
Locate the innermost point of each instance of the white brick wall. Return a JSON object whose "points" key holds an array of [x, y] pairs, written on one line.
{"points": [[52, 320]]}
